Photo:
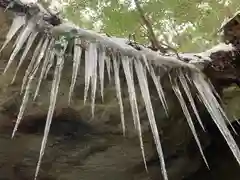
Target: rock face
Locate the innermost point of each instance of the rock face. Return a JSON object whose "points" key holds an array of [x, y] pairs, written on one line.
{"points": [[88, 148]]}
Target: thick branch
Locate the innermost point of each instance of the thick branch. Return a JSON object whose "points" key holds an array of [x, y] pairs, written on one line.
{"points": [[152, 36], [157, 45]]}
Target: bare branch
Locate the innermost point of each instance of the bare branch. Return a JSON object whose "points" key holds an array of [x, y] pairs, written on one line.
{"points": [[157, 45], [152, 37]]}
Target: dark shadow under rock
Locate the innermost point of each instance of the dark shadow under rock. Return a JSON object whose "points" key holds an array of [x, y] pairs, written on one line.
{"points": [[222, 163], [67, 123]]}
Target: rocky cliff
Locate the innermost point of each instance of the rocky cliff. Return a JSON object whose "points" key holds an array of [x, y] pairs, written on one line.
{"points": [[84, 147]]}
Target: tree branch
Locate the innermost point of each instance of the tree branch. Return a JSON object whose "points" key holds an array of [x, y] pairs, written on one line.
{"points": [[157, 45], [152, 36]]}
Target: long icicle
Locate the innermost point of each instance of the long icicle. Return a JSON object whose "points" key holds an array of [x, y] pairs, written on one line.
{"points": [[50, 63], [220, 101], [148, 105], [186, 113], [109, 67], [101, 61], [44, 66], [159, 89], [131, 89], [87, 77], [90, 54], [133, 104], [32, 63], [53, 98], [31, 74], [76, 64], [118, 92], [213, 106], [24, 101], [17, 23], [190, 98], [94, 79], [31, 39], [21, 40]]}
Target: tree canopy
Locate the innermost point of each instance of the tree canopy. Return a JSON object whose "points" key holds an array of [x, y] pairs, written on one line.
{"points": [[188, 26]]}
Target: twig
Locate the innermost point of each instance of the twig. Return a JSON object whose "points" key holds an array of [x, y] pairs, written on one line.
{"points": [[152, 37]]}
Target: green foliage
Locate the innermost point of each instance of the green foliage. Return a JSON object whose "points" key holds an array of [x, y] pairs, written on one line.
{"points": [[186, 25]]}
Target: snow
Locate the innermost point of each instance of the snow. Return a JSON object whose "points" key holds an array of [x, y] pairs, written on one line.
{"points": [[227, 20], [219, 47], [198, 57], [28, 1]]}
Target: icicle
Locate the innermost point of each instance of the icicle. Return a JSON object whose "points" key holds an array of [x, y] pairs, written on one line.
{"points": [[17, 23], [189, 95], [148, 105], [236, 119], [133, 103], [53, 98], [94, 79], [118, 92], [90, 56], [186, 113], [228, 121], [108, 64], [76, 64], [131, 89], [31, 64], [44, 66], [22, 30], [28, 46], [146, 62], [145, 73], [25, 99], [50, 63], [87, 77], [101, 62], [22, 38], [146, 67], [30, 76], [220, 101], [159, 89], [214, 91], [217, 115]]}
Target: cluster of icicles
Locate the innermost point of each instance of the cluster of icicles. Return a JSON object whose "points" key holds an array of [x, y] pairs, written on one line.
{"points": [[96, 62]]}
